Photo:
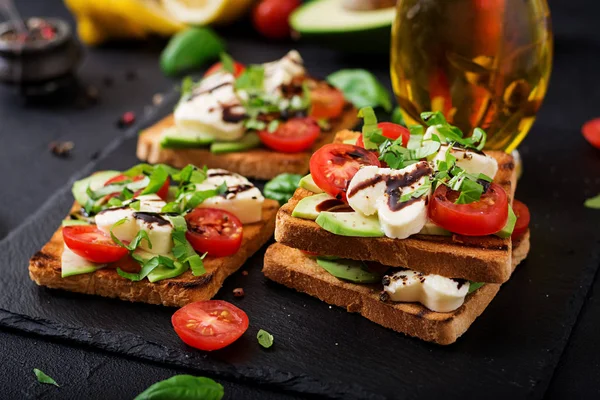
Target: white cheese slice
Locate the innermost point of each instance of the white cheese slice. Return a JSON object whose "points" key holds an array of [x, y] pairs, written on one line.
{"points": [[282, 71], [72, 264], [435, 292], [204, 113], [242, 198], [472, 162], [377, 190]]}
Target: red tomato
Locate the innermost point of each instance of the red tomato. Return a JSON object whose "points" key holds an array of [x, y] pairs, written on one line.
{"points": [[292, 136], [333, 166], [238, 69], [271, 17], [591, 132], [523, 219], [163, 192], [216, 232], [209, 325], [91, 243], [484, 217], [327, 102], [391, 131]]}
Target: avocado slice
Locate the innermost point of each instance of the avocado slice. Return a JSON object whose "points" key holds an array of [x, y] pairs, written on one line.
{"points": [[248, 141], [307, 207], [432, 229], [349, 224], [507, 231], [94, 181], [349, 270], [72, 264], [308, 183], [173, 138], [352, 31]]}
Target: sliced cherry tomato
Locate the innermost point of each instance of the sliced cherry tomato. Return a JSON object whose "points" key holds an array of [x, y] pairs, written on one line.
{"points": [[238, 69], [91, 243], [209, 325], [391, 131], [484, 217], [216, 232], [270, 17], [334, 165], [591, 132], [127, 264], [523, 219], [163, 192], [292, 136], [327, 102]]}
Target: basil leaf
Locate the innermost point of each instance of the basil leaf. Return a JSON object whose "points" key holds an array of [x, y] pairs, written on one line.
{"points": [[187, 86], [136, 204], [361, 88], [255, 124], [473, 286], [397, 117], [147, 267], [432, 118], [265, 339], [282, 187], [114, 202], [593, 202], [470, 191], [43, 378], [141, 235], [372, 135], [198, 198], [251, 79], [183, 387], [427, 148], [273, 125], [416, 130], [157, 180], [418, 192], [185, 253], [227, 63]]}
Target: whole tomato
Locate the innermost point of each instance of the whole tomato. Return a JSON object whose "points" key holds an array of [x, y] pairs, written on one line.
{"points": [[270, 17]]}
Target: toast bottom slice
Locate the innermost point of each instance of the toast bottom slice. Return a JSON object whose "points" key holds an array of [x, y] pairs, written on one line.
{"points": [[45, 270], [295, 270]]}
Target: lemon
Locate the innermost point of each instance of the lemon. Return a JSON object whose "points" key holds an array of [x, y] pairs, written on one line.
{"points": [[204, 12]]}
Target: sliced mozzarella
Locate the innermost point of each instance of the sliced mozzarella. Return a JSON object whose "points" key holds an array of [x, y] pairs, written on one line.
{"points": [[125, 231], [159, 230], [472, 162], [242, 198], [378, 190], [281, 72], [435, 292], [72, 264], [207, 111]]}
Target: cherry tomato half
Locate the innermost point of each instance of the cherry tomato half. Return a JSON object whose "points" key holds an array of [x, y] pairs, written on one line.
{"points": [[391, 131], [591, 132], [216, 232], [91, 243], [209, 325], [326, 102], [238, 69], [163, 192], [292, 136], [334, 165], [484, 217], [523, 219], [271, 17]]}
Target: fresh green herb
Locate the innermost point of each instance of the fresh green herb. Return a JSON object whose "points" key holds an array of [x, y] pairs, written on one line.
{"points": [[452, 134], [157, 180], [147, 267], [187, 86], [252, 79], [185, 253], [282, 187], [473, 286], [273, 125], [593, 202], [397, 117], [43, 378], [253, 124], [265, 339], [418, 192], [222, 188], [141, 235], [183, 387], [372, 135], [470, 191], [136, 204], [227, 62], [114, 202], [361, 88]]}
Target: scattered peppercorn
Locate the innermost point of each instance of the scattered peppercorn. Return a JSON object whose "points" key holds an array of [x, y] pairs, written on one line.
{"points": [[245, 273], [238, 292], [126, 119], [61, 149]]}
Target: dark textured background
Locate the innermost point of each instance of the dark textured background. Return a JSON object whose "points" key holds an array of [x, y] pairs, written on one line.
{"points": [[558, 221]]}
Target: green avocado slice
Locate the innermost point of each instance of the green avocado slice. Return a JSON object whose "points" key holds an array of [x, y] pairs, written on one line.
{"points": [[350, 224], [248, 141], [173, 138], [94, 181], [308, 183], [507, 231], [349, 270], [307, 207]]}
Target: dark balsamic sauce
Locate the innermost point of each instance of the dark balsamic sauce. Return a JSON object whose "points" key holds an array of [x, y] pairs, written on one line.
{"points": [[333, 205], [231, 115], [151, 218]]}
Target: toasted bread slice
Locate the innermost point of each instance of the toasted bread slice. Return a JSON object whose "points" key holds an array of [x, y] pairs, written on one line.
{"points": [[295, 270], [45, 270], [259, 163], [479, 259]]}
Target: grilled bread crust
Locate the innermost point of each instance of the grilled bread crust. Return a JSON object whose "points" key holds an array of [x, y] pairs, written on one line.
{"points": [[479, 259], [296, 270], [259, 163], [45, 270]]}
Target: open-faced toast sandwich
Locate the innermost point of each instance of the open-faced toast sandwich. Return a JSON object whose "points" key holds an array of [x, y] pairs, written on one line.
{"points": [[415, 230], [258, 121], [156, 234]]}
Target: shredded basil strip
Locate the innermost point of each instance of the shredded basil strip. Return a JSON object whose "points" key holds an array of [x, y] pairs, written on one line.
{"points": [[141, 235], [473, 286], [157, 179], [227, 62], [185, 253], [593, 202], [372, 136], [147, 267], [265, 339], [251, 79], [42, 377]]}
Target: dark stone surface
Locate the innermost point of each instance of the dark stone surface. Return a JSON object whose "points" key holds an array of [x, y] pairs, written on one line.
{"points": [[511, 350]]}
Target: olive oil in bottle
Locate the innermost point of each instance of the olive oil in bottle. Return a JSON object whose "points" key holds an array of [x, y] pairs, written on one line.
{"points": [[483, 63]]}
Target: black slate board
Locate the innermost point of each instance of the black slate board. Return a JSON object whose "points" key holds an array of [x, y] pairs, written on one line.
{"points": [[511, 350]]}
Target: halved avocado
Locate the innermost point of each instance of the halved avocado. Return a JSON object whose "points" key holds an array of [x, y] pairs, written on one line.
{"points": [[335, 26]]}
